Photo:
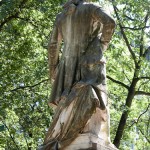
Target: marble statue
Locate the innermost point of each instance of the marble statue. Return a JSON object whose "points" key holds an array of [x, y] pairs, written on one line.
{"points": [[81, 121]]}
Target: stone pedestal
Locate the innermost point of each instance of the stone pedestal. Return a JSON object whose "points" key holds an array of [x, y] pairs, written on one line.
{"points": [[89, 141]]}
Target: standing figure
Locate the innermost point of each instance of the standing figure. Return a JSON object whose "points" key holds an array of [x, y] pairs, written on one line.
{"points": [[79, 88]]}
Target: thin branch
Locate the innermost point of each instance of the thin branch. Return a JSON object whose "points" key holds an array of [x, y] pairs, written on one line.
{"points": [[143, 113], [141, 46], [144, 78], [27, 20], [135, 28], [142, 93], [118, 82], [8, 19], [12, 16], [145, 21], [148, 125], [129, 18], [148, 140], [142, 37], [11, 135], [124, 35], [137, 120], [146, 18], [29, 86], [24, 135], [146, 51]]}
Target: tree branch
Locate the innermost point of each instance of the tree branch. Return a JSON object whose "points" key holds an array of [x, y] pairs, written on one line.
{"points": [[144, 136], [144, 78], [124, 35], [24, 136], [129, 18], [142, 113], [146, 51], [142, 38], [135, 28], [27, 20], [142, 93], [118, 82], [14, 15], [136, 121], [29, 86], [8, 19], [148, 125], [11, 135], [125, 113]]}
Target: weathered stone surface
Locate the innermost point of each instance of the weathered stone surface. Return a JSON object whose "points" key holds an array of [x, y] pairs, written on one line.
{"points": [[89, 141], [79, 88]]}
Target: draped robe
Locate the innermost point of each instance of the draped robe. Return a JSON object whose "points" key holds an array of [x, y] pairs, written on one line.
{"points": [[80, 71]]}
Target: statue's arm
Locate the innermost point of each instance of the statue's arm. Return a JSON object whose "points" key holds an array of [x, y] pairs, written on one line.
{"points": [[108, 26], [53, 50]]}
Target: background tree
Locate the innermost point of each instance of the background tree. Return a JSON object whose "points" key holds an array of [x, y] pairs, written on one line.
{"points": [[129, 73], [25, 26]]}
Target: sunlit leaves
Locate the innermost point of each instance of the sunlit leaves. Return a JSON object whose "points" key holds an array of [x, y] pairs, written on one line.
{"points": [[24, 111], [133, 22]]}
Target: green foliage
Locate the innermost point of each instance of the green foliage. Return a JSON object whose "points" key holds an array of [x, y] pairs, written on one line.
{"points": [[25, 27], [127, 64]]}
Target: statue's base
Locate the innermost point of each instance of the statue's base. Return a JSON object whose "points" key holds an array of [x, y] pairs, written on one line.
{"points": [[89, 142]]}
